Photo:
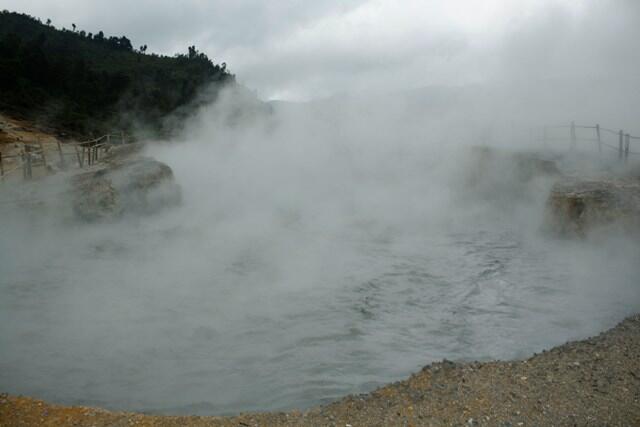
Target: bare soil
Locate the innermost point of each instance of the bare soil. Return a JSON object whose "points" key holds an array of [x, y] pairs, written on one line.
{"points": [[16, 135]]}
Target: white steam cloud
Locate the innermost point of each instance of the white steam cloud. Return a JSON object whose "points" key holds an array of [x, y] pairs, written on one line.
{"points": [[327, 247]]}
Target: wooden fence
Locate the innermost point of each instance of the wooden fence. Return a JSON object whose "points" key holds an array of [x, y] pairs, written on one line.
{"points": [[33, 155], [88, 153], [616, 140]]}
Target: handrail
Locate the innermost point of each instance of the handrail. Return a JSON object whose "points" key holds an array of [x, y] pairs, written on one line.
{"points": [[92, 148], [623, 138]]}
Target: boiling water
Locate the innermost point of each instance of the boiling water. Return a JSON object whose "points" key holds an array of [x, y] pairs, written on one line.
{"points": [[221, 311]]}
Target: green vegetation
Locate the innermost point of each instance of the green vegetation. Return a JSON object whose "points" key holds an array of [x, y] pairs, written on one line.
{"points": [[90, 83]]}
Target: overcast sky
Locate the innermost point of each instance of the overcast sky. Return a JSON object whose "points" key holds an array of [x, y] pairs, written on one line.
{"points": [[296, 50]]}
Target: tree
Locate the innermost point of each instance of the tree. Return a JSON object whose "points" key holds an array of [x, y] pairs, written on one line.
{"points": [[125, 43], [81, 82]]}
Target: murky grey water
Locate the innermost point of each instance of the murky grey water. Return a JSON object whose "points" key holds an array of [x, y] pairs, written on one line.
{"points": [[260, 300], [119, 329]]}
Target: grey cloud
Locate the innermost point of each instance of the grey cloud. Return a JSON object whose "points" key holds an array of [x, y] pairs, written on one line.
{"points": [[300, 50], [167, 24]]}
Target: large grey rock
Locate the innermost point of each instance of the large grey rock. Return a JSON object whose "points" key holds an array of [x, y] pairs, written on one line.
{"points": [[502, 176], [576, 207], [520, 166], [134, 185], [116, 153]]}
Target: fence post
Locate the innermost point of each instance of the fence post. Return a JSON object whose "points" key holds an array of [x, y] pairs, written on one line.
{"points": [[573, 135], [44, 159], [626, 147], [122, 137], [23, 159], [61, 155], [29, 166], [80, 158], [620, 137], [599, 140]]}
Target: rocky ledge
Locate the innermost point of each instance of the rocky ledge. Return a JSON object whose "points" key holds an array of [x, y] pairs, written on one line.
{"points": [[138, 184], [594, 382], [125, 182], [520, 165], [578, 206], [502, 176]]}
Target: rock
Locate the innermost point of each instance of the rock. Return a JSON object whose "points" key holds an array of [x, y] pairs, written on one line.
{"points": [[522, 166], [123, 151], [141, 185], [94, 198], [531, 165], [498, 174], [575, 207]]}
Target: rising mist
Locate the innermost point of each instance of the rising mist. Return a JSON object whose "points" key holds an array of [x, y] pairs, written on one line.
{"points": [[321, 248]]}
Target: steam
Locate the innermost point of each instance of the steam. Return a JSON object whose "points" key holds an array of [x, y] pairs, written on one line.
{"points": [[321, 248]]}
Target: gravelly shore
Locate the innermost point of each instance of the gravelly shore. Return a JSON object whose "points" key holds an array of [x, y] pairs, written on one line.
{"points": [[594, 382]]}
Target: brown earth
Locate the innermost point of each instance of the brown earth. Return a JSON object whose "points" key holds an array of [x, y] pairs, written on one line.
{"points": [[594, 382], [16, 134]]}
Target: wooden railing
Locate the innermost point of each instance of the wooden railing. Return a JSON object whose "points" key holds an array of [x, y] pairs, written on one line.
{"points": [[617, 140], [85, 153]]}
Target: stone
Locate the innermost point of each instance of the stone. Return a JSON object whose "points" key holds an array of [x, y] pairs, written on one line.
{"points": [[132, 185], [578, 206], [522, 166], [502, 176], [94, 198]]}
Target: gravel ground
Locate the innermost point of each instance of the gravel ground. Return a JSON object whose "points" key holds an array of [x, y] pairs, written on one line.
{"points": [[595, 382]]}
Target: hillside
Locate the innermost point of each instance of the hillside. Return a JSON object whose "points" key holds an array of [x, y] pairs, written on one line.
{"points": [[90, 83]]}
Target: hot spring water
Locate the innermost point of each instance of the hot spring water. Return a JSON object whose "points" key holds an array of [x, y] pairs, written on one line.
{"points": [[289, 293]]}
